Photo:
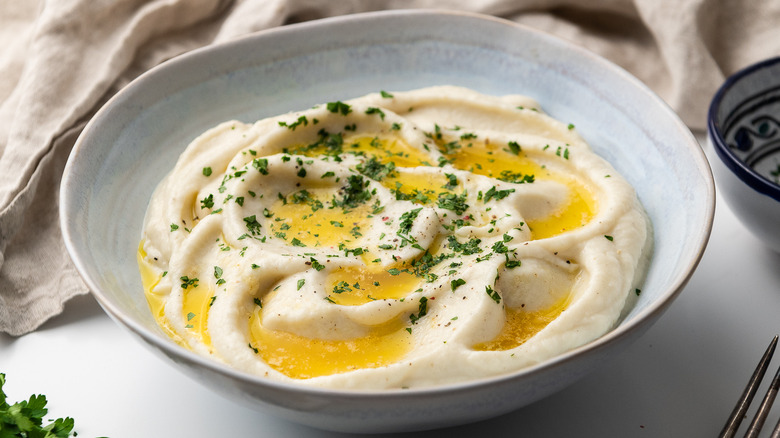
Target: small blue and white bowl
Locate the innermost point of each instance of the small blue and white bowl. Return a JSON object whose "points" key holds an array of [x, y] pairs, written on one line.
{"points": [[743, 128]]}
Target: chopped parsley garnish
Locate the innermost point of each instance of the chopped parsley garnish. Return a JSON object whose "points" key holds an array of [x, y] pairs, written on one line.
{"points": [[458, 282], [252, 225], [514, 147], [301, 282], [452, 181], [304, 197], [354, 193], [451, 201], [339, 107], [341, 287], [207, 202], [516, 177], [468, 248], [206, 171], [496, 194], [375, 170], [499, 247], [302, 120], [316, 265], [386, 95], [511, 264], [610, 238], [174, 227], [375, 110], [261, 164], [422, 310], [187, 282], [407, 220], [493, 294]]}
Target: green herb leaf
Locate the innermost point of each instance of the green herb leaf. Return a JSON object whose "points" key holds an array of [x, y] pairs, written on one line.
{"points": [[316, 265], [375, 110], [261, 164], [496, 194], [458, 282], [422, 310], [451, 201], [207, 202], [187, 282], [24, 418], [493, 294], [339, 107]]}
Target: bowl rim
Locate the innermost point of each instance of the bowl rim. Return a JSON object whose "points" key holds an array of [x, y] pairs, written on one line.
{"points": [[745, 173], [617, 334]]}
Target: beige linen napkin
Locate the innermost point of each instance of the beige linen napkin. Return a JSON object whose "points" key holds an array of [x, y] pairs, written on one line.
{"points": [[61, 59]]}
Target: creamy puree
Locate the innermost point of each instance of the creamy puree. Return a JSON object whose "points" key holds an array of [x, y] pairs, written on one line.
{"points": [[396, 240]]}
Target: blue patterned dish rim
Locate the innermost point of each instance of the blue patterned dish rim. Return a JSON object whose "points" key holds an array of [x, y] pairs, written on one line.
{"points": [[747, 136]]}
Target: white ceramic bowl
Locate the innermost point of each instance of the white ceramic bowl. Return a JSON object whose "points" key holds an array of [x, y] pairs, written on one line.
{"points": [[743, 128], [134, 140]]}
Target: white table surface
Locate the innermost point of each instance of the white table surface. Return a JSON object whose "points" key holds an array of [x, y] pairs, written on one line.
{"points": [[681, 379]]}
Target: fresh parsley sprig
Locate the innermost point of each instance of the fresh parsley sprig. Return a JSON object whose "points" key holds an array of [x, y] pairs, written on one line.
{"points": [[25, 418]]}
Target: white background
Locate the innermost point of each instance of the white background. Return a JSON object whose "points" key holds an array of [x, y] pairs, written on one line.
{"points": [[681, 379]]}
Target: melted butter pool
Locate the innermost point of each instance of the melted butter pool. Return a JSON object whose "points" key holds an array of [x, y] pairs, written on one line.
{"points": [[499, 161], [299, 357]]}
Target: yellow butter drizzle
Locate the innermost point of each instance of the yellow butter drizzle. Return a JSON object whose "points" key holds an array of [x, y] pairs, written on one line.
{"points": [[577, 211], [421, 188], [149, 280], [351, 286], [317, 227], [497, 161], [300, 357], [386, 148], [521, 326], [195, 310]]}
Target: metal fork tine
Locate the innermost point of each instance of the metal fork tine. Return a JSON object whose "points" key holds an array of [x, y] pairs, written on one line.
{"points": [[776, 432], [735, 419], [763, 410]]}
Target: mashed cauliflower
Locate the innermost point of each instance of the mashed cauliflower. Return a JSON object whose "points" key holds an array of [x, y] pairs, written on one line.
{"points": [[397, 240]]}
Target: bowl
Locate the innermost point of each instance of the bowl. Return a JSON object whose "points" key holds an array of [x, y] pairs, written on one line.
{"points": [[133, 141], [743, 128]]}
